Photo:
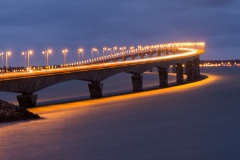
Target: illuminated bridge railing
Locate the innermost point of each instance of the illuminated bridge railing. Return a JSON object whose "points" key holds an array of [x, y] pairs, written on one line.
{"points": [[160, 49], [162, 52]]}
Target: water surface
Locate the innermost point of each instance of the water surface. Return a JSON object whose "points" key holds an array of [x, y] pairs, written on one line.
{"points": [[193, 121]]}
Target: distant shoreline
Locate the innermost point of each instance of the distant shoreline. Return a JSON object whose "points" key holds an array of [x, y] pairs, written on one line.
{"points": [[220, 62]]}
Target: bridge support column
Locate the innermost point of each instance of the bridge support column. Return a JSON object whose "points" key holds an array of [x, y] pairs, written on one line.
{"points": [[133, 57], [179, 72], [137, 81], [189, 71], [174, 68], [95, 89], [27, 100], [163, 77], [166, 52], [196, 69], [150, 54]]}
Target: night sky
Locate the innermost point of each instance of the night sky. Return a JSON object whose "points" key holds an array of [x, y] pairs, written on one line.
{"points": [[59, 24]]}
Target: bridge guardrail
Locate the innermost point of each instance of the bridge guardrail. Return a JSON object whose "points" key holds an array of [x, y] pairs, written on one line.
{"points": [[163, 52]]}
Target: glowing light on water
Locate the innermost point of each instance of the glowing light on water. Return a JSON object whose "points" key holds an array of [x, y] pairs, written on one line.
{"points": [[128, 97]]}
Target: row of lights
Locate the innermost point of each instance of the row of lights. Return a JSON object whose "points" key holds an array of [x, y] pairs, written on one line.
{"points": [[95, 50], [219, 64], [7, 54]]}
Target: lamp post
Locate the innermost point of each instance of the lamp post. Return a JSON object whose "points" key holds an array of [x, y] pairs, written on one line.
{"points": [[29, 53], [104, 49], [110, 50], [46, 53], [122, 49], [114, 49], [7, 54], [131, 49], [92, 51], [80, 51], [27, 56], [1, 54], [65, 55]]}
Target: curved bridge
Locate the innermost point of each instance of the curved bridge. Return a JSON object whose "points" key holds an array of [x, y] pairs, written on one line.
{"points": [[135, 62]]}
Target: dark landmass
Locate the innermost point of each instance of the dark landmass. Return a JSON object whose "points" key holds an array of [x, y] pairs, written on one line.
{"points": [[10, 113]]}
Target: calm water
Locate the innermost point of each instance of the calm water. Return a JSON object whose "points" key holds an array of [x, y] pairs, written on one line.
{"points": [[193, 121]]}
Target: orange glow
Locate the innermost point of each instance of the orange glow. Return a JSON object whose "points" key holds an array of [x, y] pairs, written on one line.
{"points": [[64, 51], [80, 49], [8, 53], [132, 96], [188, 50]]}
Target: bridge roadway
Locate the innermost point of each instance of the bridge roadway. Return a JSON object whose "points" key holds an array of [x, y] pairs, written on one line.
{"points": [[135, 62]]}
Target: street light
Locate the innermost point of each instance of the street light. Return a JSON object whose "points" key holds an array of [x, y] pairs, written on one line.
{"points": [[104, 49], [65, 55], [122, 49], [110, 50], [80, 51], [26, 55], [92, 51], [1, 54], [29, 53], [7, 54], [114, 49], [46, 53]]}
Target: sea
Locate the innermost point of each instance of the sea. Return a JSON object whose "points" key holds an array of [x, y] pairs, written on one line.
{"points": [[193, 121]]}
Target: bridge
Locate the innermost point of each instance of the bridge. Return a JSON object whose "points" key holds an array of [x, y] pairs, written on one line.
{"points": [[183, 57]]}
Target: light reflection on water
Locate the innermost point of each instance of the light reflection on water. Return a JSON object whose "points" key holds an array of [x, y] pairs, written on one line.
{"points": [[127, 97], [198, 120], [77, 90]]}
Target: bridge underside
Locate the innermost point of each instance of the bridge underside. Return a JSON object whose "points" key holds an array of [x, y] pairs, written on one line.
{"points": [[28, 86]]}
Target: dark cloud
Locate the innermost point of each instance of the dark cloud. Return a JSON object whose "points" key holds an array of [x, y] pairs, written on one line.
{"points": [[62, 24]]}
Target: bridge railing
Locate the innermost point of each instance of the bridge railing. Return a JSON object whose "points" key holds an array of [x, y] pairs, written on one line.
{"points": [[161, 48], [162, 52]]}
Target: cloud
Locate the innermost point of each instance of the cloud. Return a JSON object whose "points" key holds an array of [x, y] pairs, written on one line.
{"points": [[89, 23]]}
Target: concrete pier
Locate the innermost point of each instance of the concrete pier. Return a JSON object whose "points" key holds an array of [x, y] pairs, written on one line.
{"points": [[166, 52], [189, 71], [179, 74], [137, 81], [174, 68], [27, 100], [163, 77], [196, 69], [95, 89]]}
